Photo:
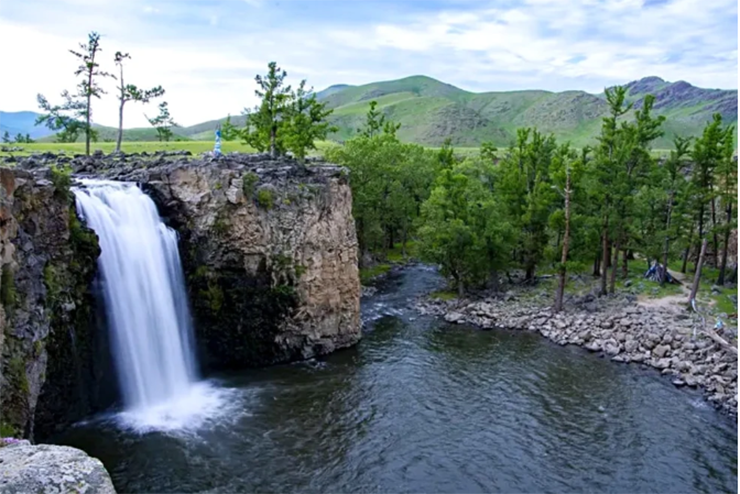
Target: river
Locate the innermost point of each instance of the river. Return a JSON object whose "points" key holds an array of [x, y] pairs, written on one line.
{"points": [[423, 406]]}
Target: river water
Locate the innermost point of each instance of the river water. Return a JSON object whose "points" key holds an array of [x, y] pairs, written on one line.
{"points": [[423, 406]]}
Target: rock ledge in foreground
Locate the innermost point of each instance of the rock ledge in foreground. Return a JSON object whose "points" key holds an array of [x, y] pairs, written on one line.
{"points": [[46, 468]]}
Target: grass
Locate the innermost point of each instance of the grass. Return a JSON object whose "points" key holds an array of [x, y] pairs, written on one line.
{"points": [[195, 147], [367, 274], [444, 295], [395, 254]]}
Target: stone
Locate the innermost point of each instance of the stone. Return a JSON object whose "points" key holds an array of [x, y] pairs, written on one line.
{"points": [[628, 283], [454, 317], [46, 468], [661, 351], [611, 347], [663, 363], [585, 335], [630, 345], [625, 322]]}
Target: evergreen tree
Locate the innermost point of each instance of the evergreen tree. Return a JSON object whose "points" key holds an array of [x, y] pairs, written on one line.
{"points": [[163, 122], [306, 122], [88, 86], [265, 122], [129, 92]]}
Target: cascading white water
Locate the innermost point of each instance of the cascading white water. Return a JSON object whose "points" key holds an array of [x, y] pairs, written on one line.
{"points": [[144, 294]]}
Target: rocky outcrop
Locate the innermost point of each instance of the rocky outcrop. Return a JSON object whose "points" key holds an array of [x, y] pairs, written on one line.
{"points": [[47, 337], [268, 248], [28, 469], [652, 336], [270, 253]]}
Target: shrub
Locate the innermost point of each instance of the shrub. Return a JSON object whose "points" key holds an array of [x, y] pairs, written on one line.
{"points": [[249, 180], [265, 198]]}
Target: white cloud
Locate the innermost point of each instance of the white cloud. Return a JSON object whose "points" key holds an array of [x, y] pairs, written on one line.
{"points": [[206, 55]]}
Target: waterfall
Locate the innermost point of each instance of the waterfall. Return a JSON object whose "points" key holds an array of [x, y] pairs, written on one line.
{"points": [[143, 292]]}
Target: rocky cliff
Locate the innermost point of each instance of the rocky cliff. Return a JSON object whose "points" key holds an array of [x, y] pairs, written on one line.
{"points": [[47, 315], [269, 251]]}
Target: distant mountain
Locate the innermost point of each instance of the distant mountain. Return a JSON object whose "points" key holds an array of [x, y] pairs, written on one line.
{"points": [[430, 111], [21, 122]]}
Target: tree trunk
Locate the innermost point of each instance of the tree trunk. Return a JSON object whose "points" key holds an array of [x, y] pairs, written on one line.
{"points": [[625, 267], [597, 266], [615, 263], [120, 112], [604, 255], [685, 259], [667, 241], [701, 233], [494, 281], [723, 265], [403, 242], [564, 257], [529, 274], [460, 289], [715, 242], [697, 273], [87, 116], [273, 137]]}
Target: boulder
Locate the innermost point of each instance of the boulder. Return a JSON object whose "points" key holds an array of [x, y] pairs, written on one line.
{"points": [[51, 469], [661, 351]]}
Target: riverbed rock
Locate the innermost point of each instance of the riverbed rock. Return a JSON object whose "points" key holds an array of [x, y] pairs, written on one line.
{"points": [[51, 469], [661, 351]]}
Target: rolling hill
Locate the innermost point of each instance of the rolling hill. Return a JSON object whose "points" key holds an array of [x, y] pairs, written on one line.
{"points": [[430, 111]]}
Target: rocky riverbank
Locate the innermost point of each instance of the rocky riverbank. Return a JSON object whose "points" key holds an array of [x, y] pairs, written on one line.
{"points": [[660, 337]]}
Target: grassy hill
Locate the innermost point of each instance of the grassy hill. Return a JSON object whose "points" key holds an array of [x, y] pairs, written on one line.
{"points": [[430, 111]]}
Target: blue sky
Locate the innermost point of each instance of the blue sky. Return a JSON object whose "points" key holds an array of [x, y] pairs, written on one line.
{"points": [[206, 53]]}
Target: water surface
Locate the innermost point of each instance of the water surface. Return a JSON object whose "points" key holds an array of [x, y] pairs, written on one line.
{"points": [[422, 406]]}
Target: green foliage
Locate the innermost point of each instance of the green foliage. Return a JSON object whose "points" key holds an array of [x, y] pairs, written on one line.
{"points": [[265, 198], [229, 132], [249, 181], [7, 289], [163, 122], [306, 122], [265, 122], [6, 137], [52, 284], [61, 177], [65, 118], [7, 430], [389, 179], [285, 120], [368, 273]]}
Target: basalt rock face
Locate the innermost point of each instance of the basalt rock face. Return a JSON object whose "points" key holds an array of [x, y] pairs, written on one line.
{"points": [[268, 247], [48, 340]]}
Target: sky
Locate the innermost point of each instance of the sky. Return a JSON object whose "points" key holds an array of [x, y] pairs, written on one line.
{"points": [[206, 53]]}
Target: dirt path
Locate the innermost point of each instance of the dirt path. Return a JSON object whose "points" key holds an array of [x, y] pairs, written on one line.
{"points": [[675, 303]]}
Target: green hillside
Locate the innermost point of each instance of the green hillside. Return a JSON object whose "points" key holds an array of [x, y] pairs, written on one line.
{"points": [[431, 111]]}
